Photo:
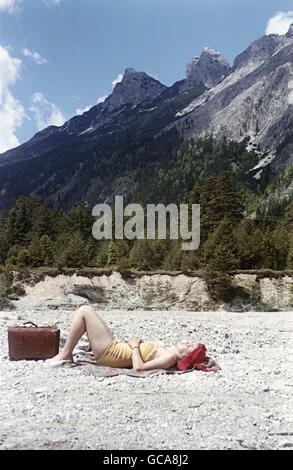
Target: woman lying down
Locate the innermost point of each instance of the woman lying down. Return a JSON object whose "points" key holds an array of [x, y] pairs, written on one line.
{"points": [[136, 353]]}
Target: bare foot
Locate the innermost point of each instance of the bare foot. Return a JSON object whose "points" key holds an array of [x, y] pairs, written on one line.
{"points": [[59, 359]]}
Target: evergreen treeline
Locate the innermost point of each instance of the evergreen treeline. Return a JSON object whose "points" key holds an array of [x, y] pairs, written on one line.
{"points": [[33, 234]]}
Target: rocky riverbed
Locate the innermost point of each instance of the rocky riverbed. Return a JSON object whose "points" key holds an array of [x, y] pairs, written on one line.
{"points": [[246, 405]]}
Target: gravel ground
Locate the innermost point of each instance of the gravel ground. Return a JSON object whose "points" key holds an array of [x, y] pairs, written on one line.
{"points": [[246, 405]]}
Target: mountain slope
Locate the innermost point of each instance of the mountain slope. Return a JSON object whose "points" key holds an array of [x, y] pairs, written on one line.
{"points": [[143, 122], [253, 101], [74, 161], [134, 89]]}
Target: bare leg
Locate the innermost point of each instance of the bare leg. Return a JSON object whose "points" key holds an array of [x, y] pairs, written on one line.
{"points": [[86, 320]]}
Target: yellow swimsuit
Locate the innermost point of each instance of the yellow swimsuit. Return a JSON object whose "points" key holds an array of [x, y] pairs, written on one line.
{"points": [[120, 354]]}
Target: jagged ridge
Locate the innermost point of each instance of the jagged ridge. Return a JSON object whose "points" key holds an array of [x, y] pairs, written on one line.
{"points": [[250, 100]]}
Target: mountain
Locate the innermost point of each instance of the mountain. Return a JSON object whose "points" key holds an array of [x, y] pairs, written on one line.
{"points": [[82, 159], [254, 102], [134, 89], [209, 68], [143, 122]]}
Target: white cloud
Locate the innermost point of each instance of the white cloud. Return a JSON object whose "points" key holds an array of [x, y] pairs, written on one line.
{"points": [[46, 113], [11, 6], [102, 99], [80, 111], [11, 117], [35, 56], [279, 23], [12, 112], [51, 3], [117, 80]]}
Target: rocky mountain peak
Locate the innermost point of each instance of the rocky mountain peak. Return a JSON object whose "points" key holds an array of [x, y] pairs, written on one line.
{"points": [[207, 51], [262, 49], [128, 72], [135, 88], [209, 68], [290, 31], [250, 101], [258, 51], [190, 66]]}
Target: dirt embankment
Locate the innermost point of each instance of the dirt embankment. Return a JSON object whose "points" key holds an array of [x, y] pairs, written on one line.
{"points": [[111, 289]]}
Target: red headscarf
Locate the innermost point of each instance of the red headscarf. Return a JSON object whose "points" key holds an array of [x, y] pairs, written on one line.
{"points": [[199, 360]]}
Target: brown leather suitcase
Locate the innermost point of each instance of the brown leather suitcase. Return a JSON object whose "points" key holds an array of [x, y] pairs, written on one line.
{"points": [[33, 342]]}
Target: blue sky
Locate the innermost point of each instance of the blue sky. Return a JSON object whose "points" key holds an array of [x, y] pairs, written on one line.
{"points": [[59, 57]]}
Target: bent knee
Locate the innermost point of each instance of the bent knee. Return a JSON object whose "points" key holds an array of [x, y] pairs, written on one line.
{"points": [[84, 309]]}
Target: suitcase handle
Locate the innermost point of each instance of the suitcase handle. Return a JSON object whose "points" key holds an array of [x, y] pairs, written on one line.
{"points": [[25, 323]]}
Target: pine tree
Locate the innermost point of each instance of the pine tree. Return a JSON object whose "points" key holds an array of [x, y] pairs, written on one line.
{"points": [[38, 216], [102, 254], [23, 258], [47, 249], [140, 256], [12, 255], [75, 253], [289, 216], [220, 257], [289, 261], [228, 202], [220, 252], [194, 198], [218, 200], [3, 238], [190, 260], [79, 219], [248, 239], [173, 256], [35, 253], [112, 253], [122, 248], [281, 242], [17, 224], [268, 250]]}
